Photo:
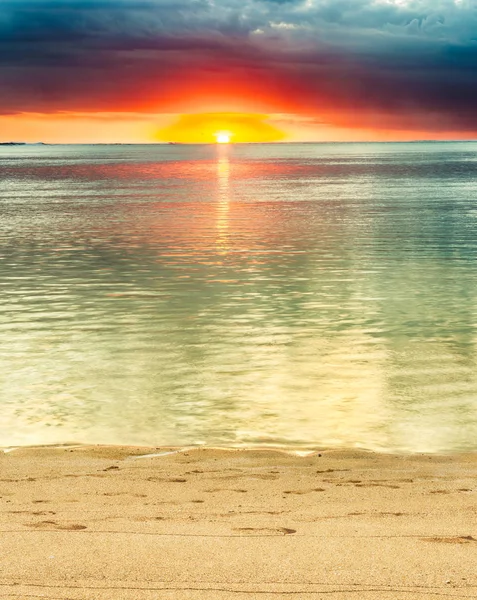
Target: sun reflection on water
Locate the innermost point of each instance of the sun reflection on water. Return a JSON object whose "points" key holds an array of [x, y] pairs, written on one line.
{"points": [[223, 206]]}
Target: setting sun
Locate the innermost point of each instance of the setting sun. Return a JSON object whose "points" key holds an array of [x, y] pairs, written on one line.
{"points": [[223, 137], [220, 128]]}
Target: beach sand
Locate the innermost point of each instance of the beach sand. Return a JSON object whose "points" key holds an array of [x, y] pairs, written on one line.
{"points": [[81, 523]]}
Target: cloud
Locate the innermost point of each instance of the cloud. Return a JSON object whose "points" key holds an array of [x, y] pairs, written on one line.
{"points": [[374, 63]]}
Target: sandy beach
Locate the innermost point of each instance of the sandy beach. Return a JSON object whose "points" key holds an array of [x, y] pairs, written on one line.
{"points": [[85, 523]]}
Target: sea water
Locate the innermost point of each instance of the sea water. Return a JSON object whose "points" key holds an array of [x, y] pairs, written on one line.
{"points": [[296, 295]]}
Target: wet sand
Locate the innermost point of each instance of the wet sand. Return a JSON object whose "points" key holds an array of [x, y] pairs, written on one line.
{"points": [[107, 523]]}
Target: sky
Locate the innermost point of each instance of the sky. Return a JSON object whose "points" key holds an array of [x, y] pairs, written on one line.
{"points": [[264, 70]]}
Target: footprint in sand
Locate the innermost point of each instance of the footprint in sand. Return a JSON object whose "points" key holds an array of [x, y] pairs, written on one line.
{"points": [[167, 480], [333, 471], [40, 513], [43, 513], [461, 539], [247, 476], [56, 526], [392, 514], [213, 490], [274, 530], [381, 485], [110, 494], [301, 492]]}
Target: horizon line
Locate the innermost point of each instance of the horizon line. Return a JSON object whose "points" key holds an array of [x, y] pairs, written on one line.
{"points": [[416, 141]]}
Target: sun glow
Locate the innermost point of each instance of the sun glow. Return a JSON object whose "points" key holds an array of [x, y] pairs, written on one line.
{"points": [[220, 128], [223, 137]]}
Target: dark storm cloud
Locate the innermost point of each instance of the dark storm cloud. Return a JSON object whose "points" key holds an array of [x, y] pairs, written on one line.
{"points": [[394, 63]]}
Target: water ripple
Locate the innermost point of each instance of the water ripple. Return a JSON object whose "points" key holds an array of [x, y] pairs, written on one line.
{"points": [[294, 295]]}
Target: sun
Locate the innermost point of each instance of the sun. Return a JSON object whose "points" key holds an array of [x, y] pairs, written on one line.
{"points": [[223, 137], [220, 128]]}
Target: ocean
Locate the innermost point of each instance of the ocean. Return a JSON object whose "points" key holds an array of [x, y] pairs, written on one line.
{"points": [[290, 295]]}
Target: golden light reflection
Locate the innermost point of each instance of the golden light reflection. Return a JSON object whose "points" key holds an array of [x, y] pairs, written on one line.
{"points": [[223, 177]]}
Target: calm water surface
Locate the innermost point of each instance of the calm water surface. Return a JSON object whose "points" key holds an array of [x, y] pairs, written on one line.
{"points": [[309, 295]]}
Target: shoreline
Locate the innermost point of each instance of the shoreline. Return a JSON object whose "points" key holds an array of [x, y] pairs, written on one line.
{"points": [[299, 451], [114, 522]]}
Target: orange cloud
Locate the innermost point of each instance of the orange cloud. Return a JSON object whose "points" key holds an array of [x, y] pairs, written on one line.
{"points": [[203, 128]]}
